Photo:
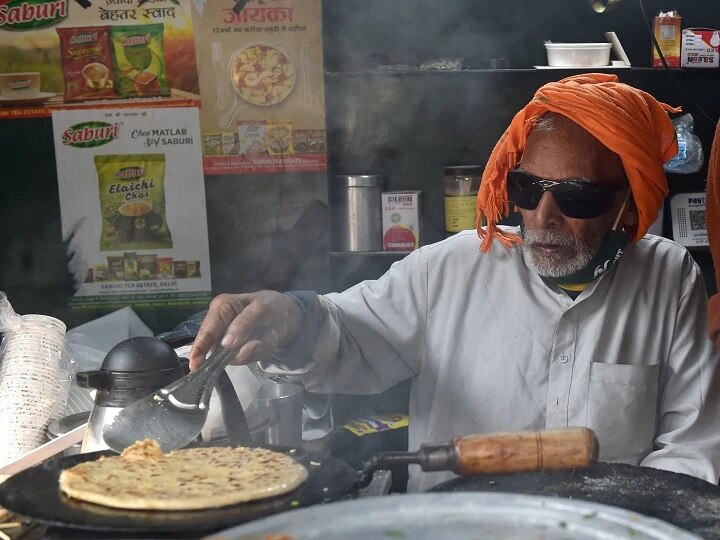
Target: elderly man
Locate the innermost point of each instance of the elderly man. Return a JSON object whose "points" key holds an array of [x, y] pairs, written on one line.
{"points": [[576, 318]]}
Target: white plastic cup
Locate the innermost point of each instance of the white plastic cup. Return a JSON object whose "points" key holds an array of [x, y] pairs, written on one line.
{"points": [[32, 383]]}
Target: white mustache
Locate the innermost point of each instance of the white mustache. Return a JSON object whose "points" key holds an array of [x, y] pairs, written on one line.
{"points": [[531, 238]]}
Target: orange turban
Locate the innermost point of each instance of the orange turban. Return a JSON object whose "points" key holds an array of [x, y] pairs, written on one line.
{"points": [[628, 121]]}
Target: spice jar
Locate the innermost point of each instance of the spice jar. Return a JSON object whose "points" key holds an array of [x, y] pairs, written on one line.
{"points": [[462, 183]]}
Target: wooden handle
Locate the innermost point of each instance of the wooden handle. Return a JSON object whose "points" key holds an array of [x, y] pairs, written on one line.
{"points": [[565, 448]]}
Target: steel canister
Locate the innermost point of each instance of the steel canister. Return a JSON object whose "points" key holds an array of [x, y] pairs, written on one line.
{"points": [[356, 212]]}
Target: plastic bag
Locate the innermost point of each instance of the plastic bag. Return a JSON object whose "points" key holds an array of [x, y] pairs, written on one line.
{"points": [[690, 157], [36, 369]]}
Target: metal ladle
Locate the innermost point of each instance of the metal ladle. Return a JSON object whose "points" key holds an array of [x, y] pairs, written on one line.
{"points": [[173, 415]]}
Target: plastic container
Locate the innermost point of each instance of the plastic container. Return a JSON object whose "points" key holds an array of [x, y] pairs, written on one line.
{"points": [[578, 54]]}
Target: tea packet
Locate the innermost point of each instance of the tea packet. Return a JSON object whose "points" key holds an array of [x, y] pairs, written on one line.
{"points": [[180, 269], [130, 261], [139, 60], [86, 60], [193, 269], [146, 267], [278, 138], [116, 267], [132, 202], [165, 267]]}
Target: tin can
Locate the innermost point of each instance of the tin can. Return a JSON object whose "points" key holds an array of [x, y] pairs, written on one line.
{"points": [[356, 212]]}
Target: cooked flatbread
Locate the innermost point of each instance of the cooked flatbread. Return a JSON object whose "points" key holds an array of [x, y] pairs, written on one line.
{"points": [[144, 478]]}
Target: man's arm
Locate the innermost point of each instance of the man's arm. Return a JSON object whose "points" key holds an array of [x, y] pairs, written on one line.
{"points": [[688, 435], [365, 339]]}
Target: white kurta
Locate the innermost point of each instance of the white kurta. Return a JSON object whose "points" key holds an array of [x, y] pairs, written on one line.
{"points": [[490, 347]]}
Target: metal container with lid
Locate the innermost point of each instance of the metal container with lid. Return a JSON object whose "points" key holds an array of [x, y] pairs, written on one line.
{"points": [[132, 369], [356, 212], [461, 185]]}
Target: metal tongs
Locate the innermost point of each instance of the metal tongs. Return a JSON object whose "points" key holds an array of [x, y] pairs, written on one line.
{"points": [[173, 415]]}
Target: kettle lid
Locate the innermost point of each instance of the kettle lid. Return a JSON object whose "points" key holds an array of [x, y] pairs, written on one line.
{"points": [[142, 353]]}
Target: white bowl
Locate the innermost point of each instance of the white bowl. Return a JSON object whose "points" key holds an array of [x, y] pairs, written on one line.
{"points": [[578, 54]]}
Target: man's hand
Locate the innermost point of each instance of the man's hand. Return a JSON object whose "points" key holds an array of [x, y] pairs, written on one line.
{"points": [[257, 322]]}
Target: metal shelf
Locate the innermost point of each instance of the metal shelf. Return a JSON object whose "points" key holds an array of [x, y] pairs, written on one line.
{"points": [[489, 71], [369, 253]]}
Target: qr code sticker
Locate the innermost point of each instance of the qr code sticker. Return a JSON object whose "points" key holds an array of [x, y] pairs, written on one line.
{"points": [[697, 220]]}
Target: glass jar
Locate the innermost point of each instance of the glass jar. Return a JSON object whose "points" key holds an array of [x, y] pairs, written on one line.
{"points": [[462, 183]]}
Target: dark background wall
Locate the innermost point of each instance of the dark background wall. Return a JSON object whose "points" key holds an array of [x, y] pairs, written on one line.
{"points": [[387, 116], [271, 230], [366, 33]]}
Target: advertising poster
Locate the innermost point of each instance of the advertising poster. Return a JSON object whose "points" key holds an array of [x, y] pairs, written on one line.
{"points": [[132, 204], [261, 78], [95, 53]]}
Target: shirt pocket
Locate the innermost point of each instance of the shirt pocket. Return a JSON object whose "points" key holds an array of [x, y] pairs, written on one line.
{"points": [[622, 409]]}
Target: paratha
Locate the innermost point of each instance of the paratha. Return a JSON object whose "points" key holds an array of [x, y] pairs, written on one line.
{"points": [[144, 478]]}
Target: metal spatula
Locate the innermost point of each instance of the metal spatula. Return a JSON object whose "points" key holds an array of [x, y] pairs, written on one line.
{"points": [[173, 415]]}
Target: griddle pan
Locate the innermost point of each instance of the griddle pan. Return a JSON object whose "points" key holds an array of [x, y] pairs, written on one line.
{"points": [[34, 494], [685, 501]]}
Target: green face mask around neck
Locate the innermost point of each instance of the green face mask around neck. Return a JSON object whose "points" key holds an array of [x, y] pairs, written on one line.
{"points": [[609, 253]]}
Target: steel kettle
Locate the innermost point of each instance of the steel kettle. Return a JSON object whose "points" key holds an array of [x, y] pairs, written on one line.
{"points": [[136, 367]]}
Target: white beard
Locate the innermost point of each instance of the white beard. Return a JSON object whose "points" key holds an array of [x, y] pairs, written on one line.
{"points": [[584, 249]]}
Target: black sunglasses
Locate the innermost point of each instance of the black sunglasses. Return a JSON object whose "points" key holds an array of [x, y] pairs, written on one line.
{"points": [[575, 198]]}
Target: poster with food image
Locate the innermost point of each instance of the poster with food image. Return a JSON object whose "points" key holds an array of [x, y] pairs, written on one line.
{"points": [[132, 206], [261, 77], [58, 54]]}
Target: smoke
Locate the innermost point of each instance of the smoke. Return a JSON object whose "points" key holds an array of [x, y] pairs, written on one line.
{"points": [[266, 230], [77, 265], [34, 273]]}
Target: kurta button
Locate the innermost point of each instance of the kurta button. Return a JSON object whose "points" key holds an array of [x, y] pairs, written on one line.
{"points": [[564, 358]]}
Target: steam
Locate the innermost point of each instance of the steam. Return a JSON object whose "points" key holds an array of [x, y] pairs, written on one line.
{"points": [[34, 272], [76, 263]]}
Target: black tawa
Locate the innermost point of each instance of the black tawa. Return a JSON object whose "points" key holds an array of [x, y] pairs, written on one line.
{"points": [[685, 501]]}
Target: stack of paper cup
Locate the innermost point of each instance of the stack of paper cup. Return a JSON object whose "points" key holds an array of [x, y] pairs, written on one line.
{"points": [[33, 383]]}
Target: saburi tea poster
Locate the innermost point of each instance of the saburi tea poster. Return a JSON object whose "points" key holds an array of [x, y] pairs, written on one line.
{"points": [[132, 203], [82, 54]]}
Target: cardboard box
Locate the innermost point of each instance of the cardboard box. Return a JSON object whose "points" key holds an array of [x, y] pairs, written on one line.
{"points": [[700, 48], [666, 27], [401, 218]]}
